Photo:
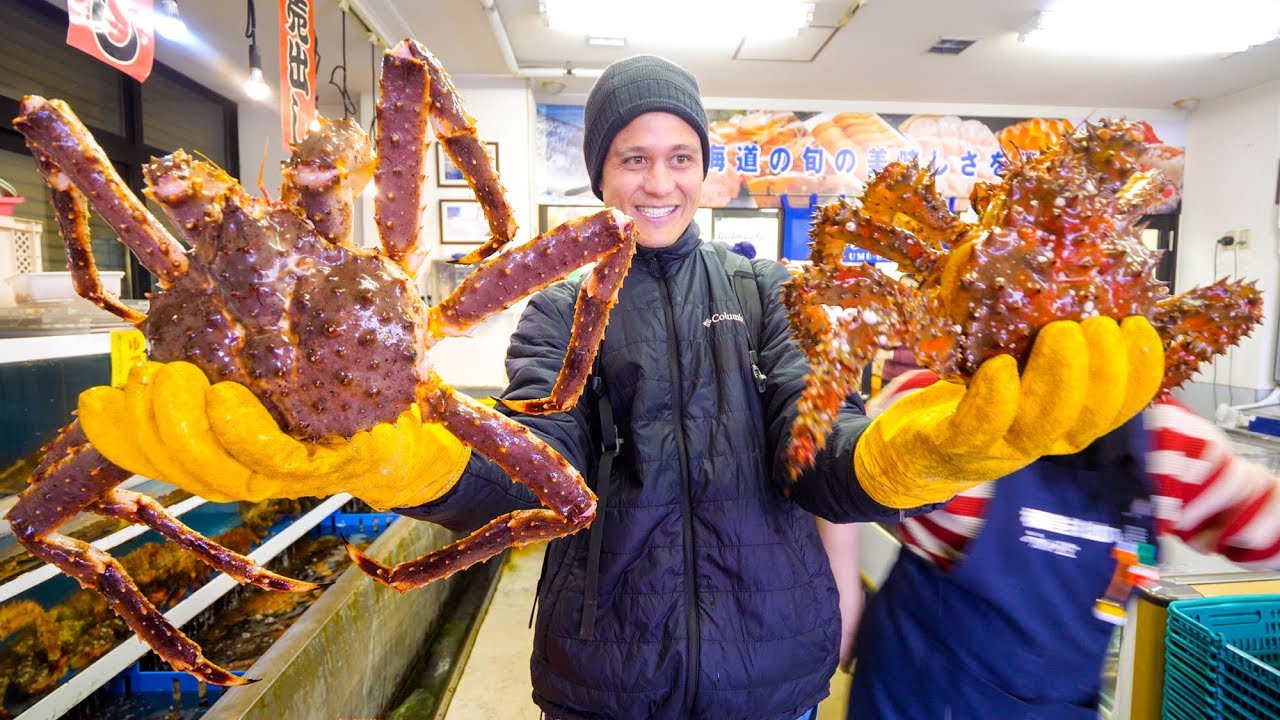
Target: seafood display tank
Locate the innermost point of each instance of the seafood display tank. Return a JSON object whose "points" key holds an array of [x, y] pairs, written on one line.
{"points": [[351, 648]]}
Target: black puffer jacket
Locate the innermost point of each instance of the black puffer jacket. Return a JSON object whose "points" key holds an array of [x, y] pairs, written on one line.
{"points": [[715, 596]]}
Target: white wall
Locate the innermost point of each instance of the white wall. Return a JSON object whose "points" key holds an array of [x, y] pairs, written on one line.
{"points": [[259, 125], [1233, 148], [504, 113]]}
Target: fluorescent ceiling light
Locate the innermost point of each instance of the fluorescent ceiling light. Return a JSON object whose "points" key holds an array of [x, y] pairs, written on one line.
{"points": [[679, 21], [1156, 27], [603, 41]]}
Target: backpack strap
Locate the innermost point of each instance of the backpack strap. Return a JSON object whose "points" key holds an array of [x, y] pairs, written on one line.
{"points": [[610, 446], [606, 429], [742, 275]]}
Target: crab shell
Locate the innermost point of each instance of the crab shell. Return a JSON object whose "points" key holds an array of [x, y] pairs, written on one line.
{"points": [[328, 336]]}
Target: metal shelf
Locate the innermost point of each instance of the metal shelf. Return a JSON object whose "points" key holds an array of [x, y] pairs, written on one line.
{"points": [[84, 683]]}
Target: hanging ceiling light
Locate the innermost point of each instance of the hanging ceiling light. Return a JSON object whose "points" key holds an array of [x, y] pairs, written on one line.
{"points": [[256, 86], [168, 21], [700, 20], [1156, 27]]}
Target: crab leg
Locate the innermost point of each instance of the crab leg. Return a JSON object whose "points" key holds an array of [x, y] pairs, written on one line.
{"points": [[324, 174], [70, 478], [836, 355], [73, 222], [903, 196], [1203, 322], [414, 87], [838, 224], [51, 128], [135, 508], [526, 459], [535, 265]]}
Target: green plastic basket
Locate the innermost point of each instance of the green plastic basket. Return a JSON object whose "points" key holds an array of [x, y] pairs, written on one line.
{"points": [[1223, 658]]}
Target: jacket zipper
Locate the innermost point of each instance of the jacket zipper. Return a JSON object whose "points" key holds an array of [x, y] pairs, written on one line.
{"points": [[690, 576]]}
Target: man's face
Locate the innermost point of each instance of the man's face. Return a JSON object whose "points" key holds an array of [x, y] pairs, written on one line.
{"points": [[653, 172]]}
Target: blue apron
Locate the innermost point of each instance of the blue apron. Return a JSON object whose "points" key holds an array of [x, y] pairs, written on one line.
{"points": [[1009, 632]]}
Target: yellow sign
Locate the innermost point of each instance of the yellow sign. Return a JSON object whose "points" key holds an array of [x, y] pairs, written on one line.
{"points": [[128, 348]]}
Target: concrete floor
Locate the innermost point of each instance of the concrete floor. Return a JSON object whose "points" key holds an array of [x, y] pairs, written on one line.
{"points": [[495, 683]]}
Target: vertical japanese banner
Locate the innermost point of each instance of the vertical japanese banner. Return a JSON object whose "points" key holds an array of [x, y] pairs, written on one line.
{"points": [[117, 32], [297, 69]]}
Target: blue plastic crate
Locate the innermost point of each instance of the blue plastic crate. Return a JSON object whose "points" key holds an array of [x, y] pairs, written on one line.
{"points": [[135, 680], [1266, 425], [1223, 658]]}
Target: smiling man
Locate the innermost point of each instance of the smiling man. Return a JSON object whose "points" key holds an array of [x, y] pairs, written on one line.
{"points": [[701, 589], [705, 591]]}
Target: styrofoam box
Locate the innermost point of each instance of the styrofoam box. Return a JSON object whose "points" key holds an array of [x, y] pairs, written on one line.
{"points": [[42, 287]]}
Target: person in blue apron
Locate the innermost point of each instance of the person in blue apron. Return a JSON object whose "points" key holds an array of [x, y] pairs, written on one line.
{"points": [[1011, 631]]}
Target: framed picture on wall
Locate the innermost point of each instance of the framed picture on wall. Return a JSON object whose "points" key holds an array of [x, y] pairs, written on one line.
{"points": [[448, 174], [462, 222]]}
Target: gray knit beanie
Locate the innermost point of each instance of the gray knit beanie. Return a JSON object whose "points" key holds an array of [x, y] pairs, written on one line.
{"points": [[630, 88]]}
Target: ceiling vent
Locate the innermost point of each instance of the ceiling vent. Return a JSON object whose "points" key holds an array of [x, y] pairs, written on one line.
{"points": [[950, 46]]}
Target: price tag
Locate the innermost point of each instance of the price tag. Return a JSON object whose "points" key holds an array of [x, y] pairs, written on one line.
{"points": [[128, 349]]}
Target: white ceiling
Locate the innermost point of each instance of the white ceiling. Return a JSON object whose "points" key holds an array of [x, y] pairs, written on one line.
{"points": [[879, 56]]}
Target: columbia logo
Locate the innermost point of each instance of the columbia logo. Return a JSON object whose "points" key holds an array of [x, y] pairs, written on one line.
{"points": [[721, 317]]}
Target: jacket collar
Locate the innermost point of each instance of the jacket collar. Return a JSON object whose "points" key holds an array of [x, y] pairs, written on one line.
{"points": [[675, 253]]}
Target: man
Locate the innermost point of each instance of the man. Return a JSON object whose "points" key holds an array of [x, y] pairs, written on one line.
{"points": [[703, 561], [707, 593], [712, 596]]}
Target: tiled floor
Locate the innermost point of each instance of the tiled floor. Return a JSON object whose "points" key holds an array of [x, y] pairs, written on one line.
{"points": [[495, 684]]}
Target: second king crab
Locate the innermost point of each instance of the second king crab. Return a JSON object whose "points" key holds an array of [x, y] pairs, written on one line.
{"points": [[274, 300], [1059, 238]]}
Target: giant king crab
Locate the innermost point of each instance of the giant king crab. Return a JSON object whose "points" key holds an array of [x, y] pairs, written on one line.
{"points": [[331, 338], [1059, 238]]}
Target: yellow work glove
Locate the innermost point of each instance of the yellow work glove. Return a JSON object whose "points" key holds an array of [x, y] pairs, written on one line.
{"points": [[1081, 381], [220, 442]]}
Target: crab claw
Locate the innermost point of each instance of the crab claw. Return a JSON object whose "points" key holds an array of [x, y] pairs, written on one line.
{"points": [[371, 567]]}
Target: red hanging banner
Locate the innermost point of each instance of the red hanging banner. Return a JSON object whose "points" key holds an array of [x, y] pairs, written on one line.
{"points": [[117, 32], [297, 68]]}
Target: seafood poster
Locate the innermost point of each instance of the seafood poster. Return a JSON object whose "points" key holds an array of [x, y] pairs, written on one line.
{"points": [[759, 156], [117, 32]]}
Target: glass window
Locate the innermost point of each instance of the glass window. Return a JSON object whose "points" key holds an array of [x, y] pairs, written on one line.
{"points": [[37, 61], [175, 116]]}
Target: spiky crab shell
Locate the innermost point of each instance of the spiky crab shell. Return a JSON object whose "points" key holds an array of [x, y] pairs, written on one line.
{"points": [[327, 336], [1060, 238]]}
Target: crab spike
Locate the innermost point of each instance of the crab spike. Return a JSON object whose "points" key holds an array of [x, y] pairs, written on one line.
{"points": [[72, 209], [50, 127], [262, 172], [325, 173]]}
